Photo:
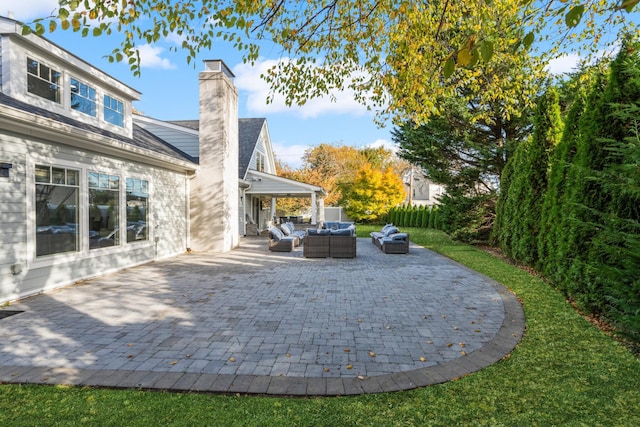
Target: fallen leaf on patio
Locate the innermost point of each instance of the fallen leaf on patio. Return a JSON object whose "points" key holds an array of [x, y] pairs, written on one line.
{"points": [[472, 322], [388, 327], [462, 345], [44, 379], [464, 353], [360, 377], [444, 317], [477, 330], [173, 363], [359, 320], [280, 375], [372, 354], [449, 344], [423, 359], [129, 345], [326, 369], [429, 342], [129, 356], [347, 350], [349, 366], [232, 359], [188, 356], [455, 328], [288, 355]]}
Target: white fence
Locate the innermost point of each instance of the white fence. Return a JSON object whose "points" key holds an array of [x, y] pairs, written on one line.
{"points": [[336, 214]]}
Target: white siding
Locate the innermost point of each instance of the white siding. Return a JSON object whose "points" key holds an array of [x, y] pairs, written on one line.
{"points": [[168, 221], [186, 141]]}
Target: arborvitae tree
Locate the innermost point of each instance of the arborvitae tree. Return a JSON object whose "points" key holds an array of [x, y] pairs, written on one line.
{"points": [[551, 254], [578, 221], [432, 216], [416, 217], [613, 261], [424, 218], [506, 231], [533, 176]]}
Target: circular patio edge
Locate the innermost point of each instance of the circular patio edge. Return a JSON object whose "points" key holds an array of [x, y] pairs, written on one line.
{"points": [[505, 340]]}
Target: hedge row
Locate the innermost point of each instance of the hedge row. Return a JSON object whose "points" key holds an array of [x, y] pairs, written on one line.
{"points": [[570, 205]]}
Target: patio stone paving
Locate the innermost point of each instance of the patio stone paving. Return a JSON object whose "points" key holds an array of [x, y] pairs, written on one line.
{"points": [[253, 321]]}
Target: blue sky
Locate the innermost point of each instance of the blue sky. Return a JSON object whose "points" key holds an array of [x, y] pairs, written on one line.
{"points": [[169, 89]]}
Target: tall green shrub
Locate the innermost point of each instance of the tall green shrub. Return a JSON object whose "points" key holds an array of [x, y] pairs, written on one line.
{"points": [[525, 183], [552, 255]]}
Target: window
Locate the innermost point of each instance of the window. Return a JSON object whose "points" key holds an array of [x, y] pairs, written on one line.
{"points": [[56, 204], [259, 161], [83, 97], [104, 208], [113, 111], [137, 209], [43, 80]]}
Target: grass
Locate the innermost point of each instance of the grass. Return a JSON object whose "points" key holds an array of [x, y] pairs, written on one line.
{"points": [[564, 372]]}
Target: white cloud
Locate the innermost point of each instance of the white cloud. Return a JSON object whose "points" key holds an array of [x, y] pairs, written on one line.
{"points": [[384, 143], [248, 79], [563, 64], [26, 10], [150, 58], [290, 154]]}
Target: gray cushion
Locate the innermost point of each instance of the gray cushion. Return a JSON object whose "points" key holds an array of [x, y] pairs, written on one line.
{"points": [[344, 232], [285, 229], [399, 236], [391, 230], [275, 233]]}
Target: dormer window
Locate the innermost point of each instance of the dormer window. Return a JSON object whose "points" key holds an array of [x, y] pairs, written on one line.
{"points": [[83, 97], [43, 81], [113, 111]]}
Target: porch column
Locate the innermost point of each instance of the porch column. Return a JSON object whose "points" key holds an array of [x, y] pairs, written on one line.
{"points": [[314, 208], [321, 214], [273, 209]]}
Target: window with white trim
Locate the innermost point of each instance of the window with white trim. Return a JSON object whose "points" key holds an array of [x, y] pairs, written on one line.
{"points": [[43, 80], [260, 160], [137, 209], [83, 97], [57, 216], [113, 110], [104, 210]]}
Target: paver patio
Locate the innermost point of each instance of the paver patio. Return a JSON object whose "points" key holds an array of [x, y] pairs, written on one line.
{"points": [[254, 321]]}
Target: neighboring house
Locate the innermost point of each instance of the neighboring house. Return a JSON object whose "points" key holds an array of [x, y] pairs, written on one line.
{"points": [[420, 190], [88, 188]]}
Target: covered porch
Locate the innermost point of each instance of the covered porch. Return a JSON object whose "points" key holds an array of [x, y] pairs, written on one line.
{"points": [[259, 201]]}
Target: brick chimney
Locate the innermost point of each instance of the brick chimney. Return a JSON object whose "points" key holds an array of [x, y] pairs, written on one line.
{"points": [[214, 204]]}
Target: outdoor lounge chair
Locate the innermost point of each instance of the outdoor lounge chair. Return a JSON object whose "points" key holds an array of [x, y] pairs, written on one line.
{"points": [[278, 242], [397, 243], [384, 232]]}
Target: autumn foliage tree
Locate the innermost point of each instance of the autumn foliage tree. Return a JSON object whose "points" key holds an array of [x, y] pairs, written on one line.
{"points": [[398, 57], [371, 193]]}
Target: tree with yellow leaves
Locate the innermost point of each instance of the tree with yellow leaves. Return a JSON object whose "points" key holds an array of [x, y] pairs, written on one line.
{"points": [[398, 56], [371, 193]]}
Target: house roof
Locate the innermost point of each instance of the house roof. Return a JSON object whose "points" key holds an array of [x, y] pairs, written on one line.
{"points": [[142, 139], [248, 133]]}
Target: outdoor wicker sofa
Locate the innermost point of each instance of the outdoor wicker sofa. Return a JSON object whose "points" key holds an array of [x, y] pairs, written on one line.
{"points": [[316, 243], [390, 241], [335, 239], [278, 242]]}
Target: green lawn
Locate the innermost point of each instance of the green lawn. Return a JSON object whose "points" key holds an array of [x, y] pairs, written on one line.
{"points": [[564, 372]]}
